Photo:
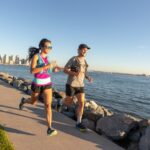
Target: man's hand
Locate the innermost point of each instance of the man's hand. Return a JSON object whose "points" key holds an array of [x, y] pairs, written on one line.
{"points": [[72, 73]]}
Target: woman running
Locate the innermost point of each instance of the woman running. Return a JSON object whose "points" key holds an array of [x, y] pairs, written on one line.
{"points": [[41, 84]]}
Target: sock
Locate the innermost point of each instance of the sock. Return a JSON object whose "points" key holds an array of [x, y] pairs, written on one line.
{"points": [[79, 119]]}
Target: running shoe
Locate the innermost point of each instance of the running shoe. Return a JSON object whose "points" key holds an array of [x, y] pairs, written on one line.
{"points": [[51, 132], [21, 103], [81, 127]]}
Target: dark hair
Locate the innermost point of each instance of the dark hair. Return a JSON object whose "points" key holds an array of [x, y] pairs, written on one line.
{"points": [[33, 50]]}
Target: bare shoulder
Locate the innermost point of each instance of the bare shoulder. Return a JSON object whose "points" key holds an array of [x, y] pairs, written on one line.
{"points": [[35, 57]]}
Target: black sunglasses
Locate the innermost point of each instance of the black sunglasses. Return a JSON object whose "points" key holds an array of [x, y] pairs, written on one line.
{"points": [[48, 47]]}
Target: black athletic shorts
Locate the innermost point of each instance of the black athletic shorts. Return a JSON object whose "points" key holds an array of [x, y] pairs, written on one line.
{"points": [[71, 91], [40, 89]]}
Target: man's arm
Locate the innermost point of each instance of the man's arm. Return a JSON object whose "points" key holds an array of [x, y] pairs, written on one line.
{"points": [[89, 78], [67, 68]]}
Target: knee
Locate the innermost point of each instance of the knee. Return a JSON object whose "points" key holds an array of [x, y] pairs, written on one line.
{"points": [[81, 103], [68, 101], [33, 102], [48, 106]]}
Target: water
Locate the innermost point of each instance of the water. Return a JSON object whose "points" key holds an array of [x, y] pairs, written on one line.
{"points": [[120, 93]]}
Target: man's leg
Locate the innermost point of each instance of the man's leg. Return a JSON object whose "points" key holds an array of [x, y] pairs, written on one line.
{"points": [[80, 109], [68, 100]]}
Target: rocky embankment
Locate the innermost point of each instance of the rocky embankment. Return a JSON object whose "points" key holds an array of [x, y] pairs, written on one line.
{"points": [[128, 131]]}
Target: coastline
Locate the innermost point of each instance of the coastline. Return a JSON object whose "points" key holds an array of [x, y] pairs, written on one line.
{"points": [[109, 72], [96, 117]]}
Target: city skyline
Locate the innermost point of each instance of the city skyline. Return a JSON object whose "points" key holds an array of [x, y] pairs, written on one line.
{"points": [[117, 31], [13, 60]]}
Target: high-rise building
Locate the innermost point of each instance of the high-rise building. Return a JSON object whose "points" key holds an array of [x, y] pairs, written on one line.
{"points": [[1, 60], [17, 60], [5, 59], [11, 60]]}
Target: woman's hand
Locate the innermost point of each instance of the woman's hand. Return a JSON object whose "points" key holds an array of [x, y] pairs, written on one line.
{"points": [[57, 69], [51, 65]]}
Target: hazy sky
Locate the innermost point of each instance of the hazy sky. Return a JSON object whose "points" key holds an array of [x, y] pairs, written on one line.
{"points": [[118, 31]]}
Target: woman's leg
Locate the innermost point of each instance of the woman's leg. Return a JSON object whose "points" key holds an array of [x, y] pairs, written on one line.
{"points": [[48, 101], [32, 100]]}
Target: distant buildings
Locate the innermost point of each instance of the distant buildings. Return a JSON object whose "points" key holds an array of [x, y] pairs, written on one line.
{"points": [[1, 60], [11, 60], [5, 59]]}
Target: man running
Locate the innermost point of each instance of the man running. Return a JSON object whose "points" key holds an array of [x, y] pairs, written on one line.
{"points": [[76, 68]]}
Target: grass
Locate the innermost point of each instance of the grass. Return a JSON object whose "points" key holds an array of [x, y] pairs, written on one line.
{"points": [[5, 144]]}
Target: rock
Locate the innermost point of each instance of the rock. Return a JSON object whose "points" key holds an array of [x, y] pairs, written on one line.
{"points": [[91, 115], [54, 102], [91, 105], [133, 146], [89, 124], [144, 123], [2, 74], [134, 136], [8, 80], [29, 91], [107, 112], [23, 87], [116, 126], [22, 79], [144, 143], [17, 83], [94, 112], [97, 109]]}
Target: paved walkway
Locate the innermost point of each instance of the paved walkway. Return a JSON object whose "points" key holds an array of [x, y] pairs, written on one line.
{"points": [[27, 128]]}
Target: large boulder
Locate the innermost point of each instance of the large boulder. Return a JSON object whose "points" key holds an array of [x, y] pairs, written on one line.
{"points": [[93, 111], [4, 76], [8, 80], [91, 105], [144, 143], [16, 83], [89, 124], [116, 126], [25, 86], [93, 115]]}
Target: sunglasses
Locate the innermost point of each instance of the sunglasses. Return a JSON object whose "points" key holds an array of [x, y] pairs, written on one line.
{"points": [[48, 47]]}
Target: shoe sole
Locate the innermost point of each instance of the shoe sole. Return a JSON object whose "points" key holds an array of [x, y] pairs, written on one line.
{"points": [[53, 134], [81, 130]]}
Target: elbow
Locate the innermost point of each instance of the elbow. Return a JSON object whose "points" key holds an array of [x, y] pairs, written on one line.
{"points": [[32, 71]]}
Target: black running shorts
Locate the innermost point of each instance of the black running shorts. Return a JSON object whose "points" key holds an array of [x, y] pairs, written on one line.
{"points": [[40, 89], [71, 91]]}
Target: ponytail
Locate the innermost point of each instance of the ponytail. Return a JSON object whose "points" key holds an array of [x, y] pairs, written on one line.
{"points": [[32, 51]]}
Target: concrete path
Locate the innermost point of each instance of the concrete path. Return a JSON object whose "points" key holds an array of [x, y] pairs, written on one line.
{"points": [[27, 128]]}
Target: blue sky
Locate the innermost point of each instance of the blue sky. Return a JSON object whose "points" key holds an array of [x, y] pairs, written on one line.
{"points": [[118, 31]]}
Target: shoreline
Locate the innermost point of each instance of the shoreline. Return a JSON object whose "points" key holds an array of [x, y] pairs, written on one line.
{"points": [[107, 72], [124, 129]]}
